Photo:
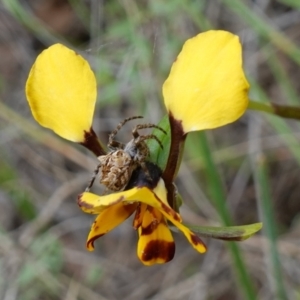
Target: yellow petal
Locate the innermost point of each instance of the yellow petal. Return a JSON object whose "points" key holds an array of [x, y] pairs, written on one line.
{"points": [[61, 91], [156, 244], [107, 220], [94, 204], [206, 87]]}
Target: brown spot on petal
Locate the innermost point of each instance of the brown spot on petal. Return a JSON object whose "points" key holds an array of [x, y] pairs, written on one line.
{"points": [[168, 210], [150, 228], [120, 199], [158, 249], [90, 243], [92, 143], [83, 204], [96, 227], [89, 207], [196, 240], [137, 221], [130, 207]]}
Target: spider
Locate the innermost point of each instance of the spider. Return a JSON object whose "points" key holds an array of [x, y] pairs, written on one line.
{"points": [[116, 167]]}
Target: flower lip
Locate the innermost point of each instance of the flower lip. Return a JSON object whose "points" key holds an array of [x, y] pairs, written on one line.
{"points": [[159, 251]]}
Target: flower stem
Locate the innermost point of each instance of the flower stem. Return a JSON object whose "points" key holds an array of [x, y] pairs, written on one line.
{"points": [[285, 111]]}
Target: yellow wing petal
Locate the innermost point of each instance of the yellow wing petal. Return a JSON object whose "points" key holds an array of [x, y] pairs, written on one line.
{"points": [[206, 87], [156, 244], [61, 91]]}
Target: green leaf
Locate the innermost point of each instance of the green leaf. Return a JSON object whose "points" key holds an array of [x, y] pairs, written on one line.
{"points": [[292, 3], [228, 233], [178, 200], [158, 155]]}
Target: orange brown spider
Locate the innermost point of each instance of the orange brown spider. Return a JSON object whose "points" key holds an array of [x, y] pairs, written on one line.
{"points": [[116, 167]]}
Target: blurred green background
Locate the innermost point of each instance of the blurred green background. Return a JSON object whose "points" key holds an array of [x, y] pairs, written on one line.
{"points": [[239, 174]]}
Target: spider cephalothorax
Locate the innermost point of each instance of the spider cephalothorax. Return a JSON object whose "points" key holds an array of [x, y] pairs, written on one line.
{"points": [[116, 167]]}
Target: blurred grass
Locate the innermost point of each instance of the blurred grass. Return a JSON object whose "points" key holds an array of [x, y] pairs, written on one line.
{"points": [[268, 218], [131, 46], [218, 197], [20, 197]]}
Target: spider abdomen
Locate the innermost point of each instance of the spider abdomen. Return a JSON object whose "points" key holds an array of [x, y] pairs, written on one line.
{"points": [[116, 169]]}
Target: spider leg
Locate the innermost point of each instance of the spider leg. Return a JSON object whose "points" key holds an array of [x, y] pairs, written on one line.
{"points": [[115, 145], [144, 126], [96, 171], [120, 125], [148, 137]]}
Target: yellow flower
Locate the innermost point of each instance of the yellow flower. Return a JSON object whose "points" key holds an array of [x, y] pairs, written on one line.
{"points": [[149, 200], [206, 89]]}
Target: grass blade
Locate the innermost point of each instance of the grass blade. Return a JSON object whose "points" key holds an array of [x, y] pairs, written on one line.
{"points": [[268, 219], [218, 197]]}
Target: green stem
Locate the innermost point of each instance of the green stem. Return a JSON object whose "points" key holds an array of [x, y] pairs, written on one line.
{"points": [[285, 111], [219, 198]]}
